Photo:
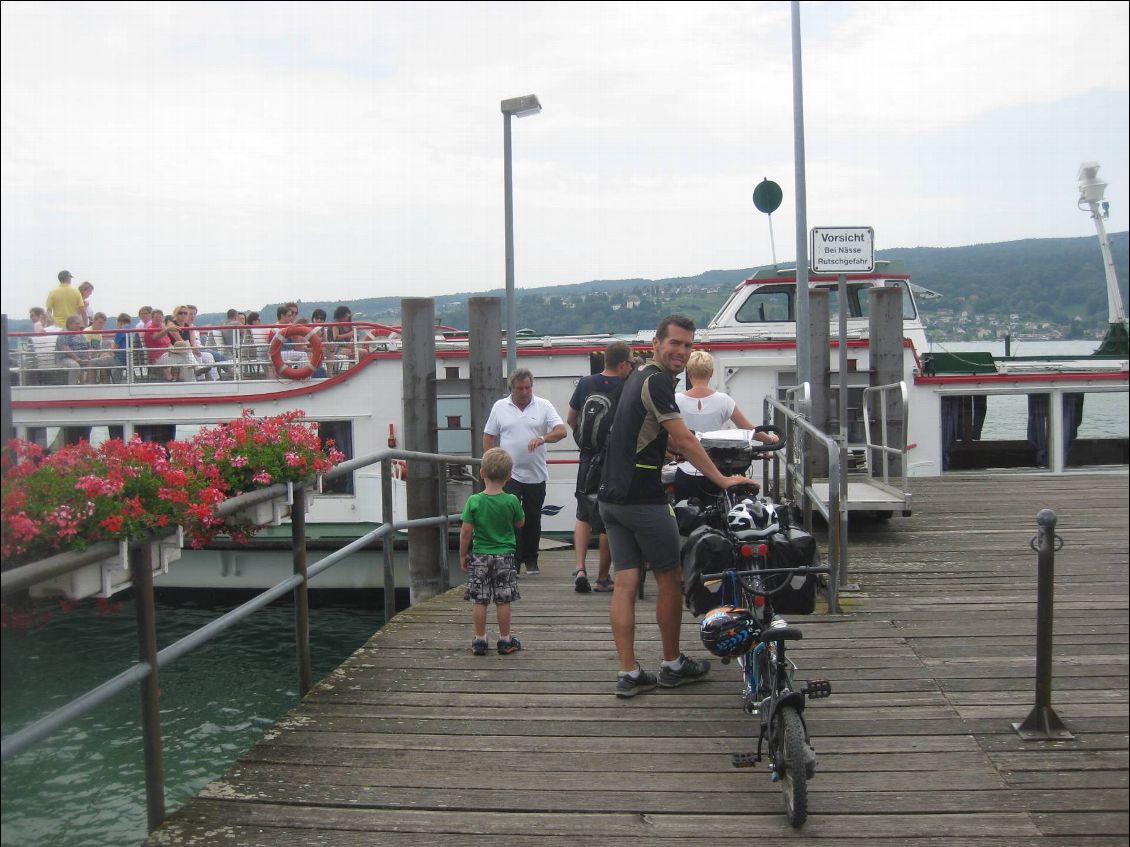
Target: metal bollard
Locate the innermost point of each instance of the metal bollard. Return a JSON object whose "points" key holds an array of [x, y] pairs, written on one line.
{"points": [[1042, 723]]}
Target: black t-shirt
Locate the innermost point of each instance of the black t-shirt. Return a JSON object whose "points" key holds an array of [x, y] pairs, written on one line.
{"points": [[637, 445]]}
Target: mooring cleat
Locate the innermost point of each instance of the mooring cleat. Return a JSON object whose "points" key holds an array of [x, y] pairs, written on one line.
{"points": [[817, 689], [744, 760]]}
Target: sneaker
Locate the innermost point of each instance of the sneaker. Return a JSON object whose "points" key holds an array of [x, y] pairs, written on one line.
{"points": [[603, 584], [692, 670], [581, 582], [479, 646], [505, 648], [532, 569], [627, 686]]}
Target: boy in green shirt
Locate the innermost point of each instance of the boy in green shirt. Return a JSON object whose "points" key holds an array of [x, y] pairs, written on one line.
{"points": [[489, 520]]}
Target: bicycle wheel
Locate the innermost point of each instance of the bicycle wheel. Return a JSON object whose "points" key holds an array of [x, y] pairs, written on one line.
{"points": [[789, 760]]}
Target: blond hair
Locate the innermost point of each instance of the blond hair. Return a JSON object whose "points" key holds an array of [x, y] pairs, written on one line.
{"points": [[700, 365], [497, 465]]}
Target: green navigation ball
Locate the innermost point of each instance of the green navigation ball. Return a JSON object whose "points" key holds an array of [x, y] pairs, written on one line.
{"points": [[767, 196]]}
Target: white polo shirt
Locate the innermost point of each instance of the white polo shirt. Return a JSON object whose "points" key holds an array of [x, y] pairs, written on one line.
{"points": [[513, 429]]}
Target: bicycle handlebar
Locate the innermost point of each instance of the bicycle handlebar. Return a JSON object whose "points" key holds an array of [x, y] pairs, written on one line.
{"points": [[758, 449]]}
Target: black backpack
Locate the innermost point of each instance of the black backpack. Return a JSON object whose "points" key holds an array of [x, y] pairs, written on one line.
{"points": [[594, 421]]}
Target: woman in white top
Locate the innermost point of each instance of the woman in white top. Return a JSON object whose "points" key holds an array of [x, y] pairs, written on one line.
{"points": [[705, 410]]}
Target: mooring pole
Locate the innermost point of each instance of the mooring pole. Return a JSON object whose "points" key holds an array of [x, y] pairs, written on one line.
{"points": [[417, 317], [1042, 723]]}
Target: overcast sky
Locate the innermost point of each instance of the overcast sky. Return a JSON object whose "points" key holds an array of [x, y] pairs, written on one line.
{"points": [[240, 154]]}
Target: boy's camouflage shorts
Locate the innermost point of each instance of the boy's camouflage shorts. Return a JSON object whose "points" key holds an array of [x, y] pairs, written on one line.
{"points": [[492, 579]]}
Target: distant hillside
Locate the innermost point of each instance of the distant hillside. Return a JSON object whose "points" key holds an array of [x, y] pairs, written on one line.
{"points": [[1054, 287], [1048, 284]]}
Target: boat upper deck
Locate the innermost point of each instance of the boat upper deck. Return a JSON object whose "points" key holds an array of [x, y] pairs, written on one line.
{"points": [[415, 741]]}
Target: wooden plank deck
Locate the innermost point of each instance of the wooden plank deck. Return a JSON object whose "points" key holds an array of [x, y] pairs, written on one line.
{"points": [[414, 741]]}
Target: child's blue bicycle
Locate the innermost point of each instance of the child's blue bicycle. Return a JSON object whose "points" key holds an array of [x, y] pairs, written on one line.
{"points": [[743, 567], [769, 689]]}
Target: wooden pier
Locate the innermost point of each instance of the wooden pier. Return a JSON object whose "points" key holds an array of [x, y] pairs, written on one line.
{"points": [[414, 741]]}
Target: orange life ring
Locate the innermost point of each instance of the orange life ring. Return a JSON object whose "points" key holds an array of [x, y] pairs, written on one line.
{"points": [[304, 333]]}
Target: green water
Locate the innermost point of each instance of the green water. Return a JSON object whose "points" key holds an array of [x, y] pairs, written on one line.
{"points": [[85, 786]]}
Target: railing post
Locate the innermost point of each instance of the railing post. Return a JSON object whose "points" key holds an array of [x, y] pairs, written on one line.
{"points": [[141, 572], [388, 540], [441, 495], [6, 429], [1042, 723], [301, 591], [837, 529]]}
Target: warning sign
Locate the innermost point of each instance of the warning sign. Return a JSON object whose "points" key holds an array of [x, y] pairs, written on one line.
{"points": [[843, 249]]}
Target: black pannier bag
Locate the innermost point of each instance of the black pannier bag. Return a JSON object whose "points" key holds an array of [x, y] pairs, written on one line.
{"points": [[792, 549], [706, 550], [688, 515]]}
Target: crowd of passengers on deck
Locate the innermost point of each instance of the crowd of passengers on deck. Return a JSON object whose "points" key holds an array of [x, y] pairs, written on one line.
{"points": [[70, 343]]}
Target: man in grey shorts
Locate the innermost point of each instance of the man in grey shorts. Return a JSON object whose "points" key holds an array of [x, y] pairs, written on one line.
{"points": [[637, 517]]}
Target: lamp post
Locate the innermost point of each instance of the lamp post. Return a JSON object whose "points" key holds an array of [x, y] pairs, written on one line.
{"points": [[517, 107]]}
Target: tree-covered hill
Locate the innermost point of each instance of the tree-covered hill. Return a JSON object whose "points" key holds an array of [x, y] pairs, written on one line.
{"points": [[1046, 285], [1053, 285]]}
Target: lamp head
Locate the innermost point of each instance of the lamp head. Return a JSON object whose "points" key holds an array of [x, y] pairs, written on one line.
{"points": [[1091, 188], [520, 107]]}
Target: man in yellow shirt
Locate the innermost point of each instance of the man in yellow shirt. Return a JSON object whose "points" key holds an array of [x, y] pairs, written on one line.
{"points": [[64, 301]]}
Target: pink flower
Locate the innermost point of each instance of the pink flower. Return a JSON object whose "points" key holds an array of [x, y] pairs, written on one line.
{"points": [[263, 478]]}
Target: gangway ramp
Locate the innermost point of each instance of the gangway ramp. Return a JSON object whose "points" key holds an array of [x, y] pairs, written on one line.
{"points": [[864, 496]]}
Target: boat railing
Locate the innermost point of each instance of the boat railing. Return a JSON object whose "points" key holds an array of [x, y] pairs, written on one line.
{"points": [[801, 437], [211, 353], [145, 671], [886, 457]]}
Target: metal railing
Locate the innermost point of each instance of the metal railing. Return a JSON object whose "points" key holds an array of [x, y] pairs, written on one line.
{"points": [[150, 659], [798, 432], [226, 352], [885, 450]]}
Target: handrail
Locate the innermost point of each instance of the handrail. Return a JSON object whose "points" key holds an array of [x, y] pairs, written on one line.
{"points": [[835, 511], [144, 672], [232, 350], [883, 447]]}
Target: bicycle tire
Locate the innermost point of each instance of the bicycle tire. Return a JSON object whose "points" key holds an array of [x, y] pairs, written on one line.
{"points": [[789, 759]]}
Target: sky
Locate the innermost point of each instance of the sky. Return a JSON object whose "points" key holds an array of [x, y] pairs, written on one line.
{"points": [[239, 154]]}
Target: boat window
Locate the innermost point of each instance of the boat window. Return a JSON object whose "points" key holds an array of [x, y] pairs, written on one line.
{"points": [[341, 432], [908, 313], [834, 301], [767, 303]]}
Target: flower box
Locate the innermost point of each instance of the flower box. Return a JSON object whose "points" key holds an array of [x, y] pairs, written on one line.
{"points": [[271, 512], [108, 577]]}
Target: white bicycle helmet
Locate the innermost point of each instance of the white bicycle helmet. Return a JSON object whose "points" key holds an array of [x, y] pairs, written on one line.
{"points": [[752, 515]]}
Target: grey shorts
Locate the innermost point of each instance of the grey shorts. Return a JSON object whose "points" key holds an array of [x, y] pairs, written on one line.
{"points": [[492, 579], [588, 511], [641, 534]]}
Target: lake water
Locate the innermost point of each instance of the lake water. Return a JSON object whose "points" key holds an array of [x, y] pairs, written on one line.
{"points": [[85, 786], [1104, 414]]}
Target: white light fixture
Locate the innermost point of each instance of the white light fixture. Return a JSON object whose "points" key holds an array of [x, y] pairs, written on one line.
{"points": [[1091, 188]]}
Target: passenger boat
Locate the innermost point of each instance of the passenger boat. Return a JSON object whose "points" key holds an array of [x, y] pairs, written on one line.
{"points": [[752, 337]]}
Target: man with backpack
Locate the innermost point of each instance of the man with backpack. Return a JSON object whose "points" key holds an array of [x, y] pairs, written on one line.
{"points": [[591, 409], [637, 516]]}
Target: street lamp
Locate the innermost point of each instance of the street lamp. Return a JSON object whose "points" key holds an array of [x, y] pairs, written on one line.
{"points": [[517, 107]]}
